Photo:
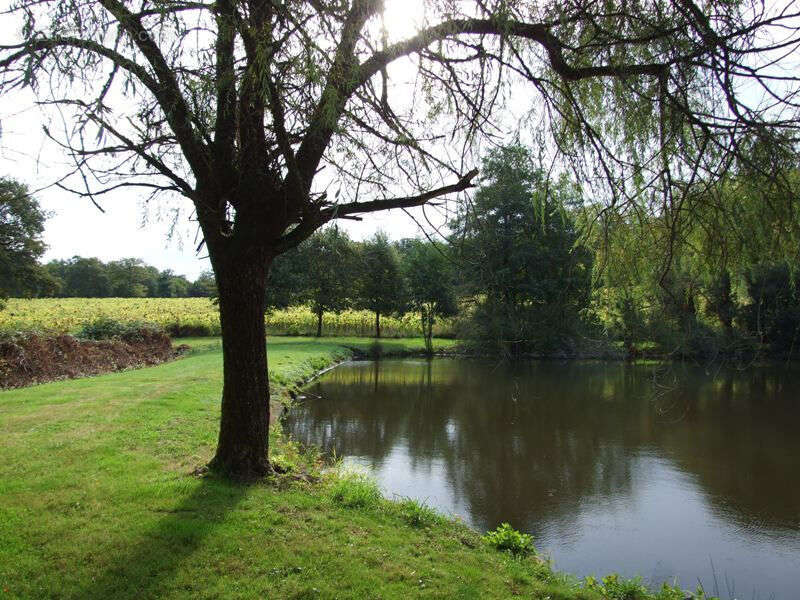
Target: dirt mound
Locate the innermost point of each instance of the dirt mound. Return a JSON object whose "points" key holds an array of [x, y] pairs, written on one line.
{"points": [[28, 359]]}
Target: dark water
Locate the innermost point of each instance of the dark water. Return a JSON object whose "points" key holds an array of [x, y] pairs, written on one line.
{"points": [[672, 473]]}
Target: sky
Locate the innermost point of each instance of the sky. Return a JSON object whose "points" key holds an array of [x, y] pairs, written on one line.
{"points": [[128, 227]]}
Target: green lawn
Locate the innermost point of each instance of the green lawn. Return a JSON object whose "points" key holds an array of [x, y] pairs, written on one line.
{"points": [[97, 501]]}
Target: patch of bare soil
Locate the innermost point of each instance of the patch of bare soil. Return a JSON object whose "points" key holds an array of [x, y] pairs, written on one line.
{"points": [[30, 359]]}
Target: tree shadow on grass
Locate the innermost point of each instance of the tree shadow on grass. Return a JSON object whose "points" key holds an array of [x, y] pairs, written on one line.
{"points": [[140, 570]]}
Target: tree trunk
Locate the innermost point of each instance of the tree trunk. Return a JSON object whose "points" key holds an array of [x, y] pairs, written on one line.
{"points": [[377, 324], [426, 316], [319, 324], [243, 446]]}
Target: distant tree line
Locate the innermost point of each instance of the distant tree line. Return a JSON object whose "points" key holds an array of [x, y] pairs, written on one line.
{"points": [[528, 266], [22, 223], [330, 273], [79, 277]]}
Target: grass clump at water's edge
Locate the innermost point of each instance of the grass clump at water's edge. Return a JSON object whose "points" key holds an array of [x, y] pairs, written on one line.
{"points": [[354, 490], [96, 501], [417, 513]]}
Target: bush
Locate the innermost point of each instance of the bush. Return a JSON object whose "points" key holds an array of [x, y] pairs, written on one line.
{"points": [[179, 330], [103, 328], [355, 490], [507, 539], [106, 328]]}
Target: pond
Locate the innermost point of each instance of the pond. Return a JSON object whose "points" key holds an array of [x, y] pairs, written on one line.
{"points": [[675, 473]]}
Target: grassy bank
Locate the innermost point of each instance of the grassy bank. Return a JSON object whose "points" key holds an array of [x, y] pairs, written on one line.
{"points": [[97, 501]]}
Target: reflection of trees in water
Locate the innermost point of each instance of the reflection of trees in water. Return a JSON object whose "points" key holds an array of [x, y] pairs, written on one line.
{"points": [[530, 443], [529, 447], [738, 437]]}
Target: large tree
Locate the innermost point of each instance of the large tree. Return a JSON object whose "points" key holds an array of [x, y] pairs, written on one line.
{"points": [[171, 285], [82, 277], [21, 226], [522, 258], [379, 280], [429, 283], [286, 283], [205, 286], [328, 260], [254, 109]]}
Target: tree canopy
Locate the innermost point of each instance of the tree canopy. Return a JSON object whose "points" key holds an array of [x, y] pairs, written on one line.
{"points": [[429, 283], [21, 226], [520, 247], [268, 93], [379, 278], [329, 264]]}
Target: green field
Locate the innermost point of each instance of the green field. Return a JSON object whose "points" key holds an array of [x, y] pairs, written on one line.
{"points": [[68, 315]]}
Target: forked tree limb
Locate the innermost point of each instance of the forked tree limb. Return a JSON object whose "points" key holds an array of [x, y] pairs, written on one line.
{"points": [[342, 211]]}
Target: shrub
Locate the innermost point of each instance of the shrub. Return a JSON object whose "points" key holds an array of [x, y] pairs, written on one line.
{"points": [[289, 456], [774, 314], [355, 490], [106, 328], [507, 539], [179, 330], [613, 587], [103, 328]]}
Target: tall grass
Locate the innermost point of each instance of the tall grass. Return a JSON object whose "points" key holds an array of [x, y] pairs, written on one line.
{"points": [[355, 489]]}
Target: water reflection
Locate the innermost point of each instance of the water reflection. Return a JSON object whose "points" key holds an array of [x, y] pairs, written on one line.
{"points": [[611, 466]]}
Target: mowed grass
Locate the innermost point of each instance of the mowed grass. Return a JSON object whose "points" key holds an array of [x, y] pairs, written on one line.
{"points": [[97, 500]]}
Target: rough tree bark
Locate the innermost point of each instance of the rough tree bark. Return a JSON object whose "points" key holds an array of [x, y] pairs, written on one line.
{"points": [[242, 450], [377, 324]]}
